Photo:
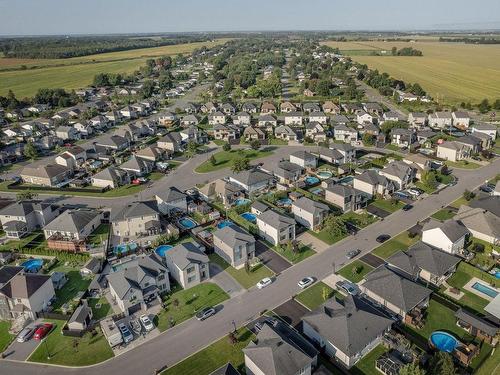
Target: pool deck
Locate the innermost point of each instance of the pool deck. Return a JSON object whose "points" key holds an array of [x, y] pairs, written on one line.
{"points": [[474, 280]]}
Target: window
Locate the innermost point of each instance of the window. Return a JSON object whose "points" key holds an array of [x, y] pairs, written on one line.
{"points": [[190, 269], [161, 277], [191, 279]]}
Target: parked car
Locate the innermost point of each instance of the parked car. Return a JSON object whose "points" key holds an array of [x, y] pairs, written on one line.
{"points": [[382, 238], [486, 189], [347, 287], [353, 253], [258, 326], [414, 192], [407, 207], [43, 331], [126, 334], [402, 195], [266, 281], [146, 323], [136, 326], [205, 313], [305, 282], [26, 334]]}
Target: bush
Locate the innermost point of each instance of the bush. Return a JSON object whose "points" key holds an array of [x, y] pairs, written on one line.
{"points": [[478, 247]]}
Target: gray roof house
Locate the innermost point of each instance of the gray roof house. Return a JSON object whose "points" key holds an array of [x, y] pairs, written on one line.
{"points": [[234, 244], [136, 219], [137, 166], [252, 180], [448, 236], [287, 172], [346, 197], [227, 369], [304, 159], [73, 225], [400, 173], [347, 330], [110, 177], [172, 200], [52, 175], [275, 227], [372, 183], [187, 264], [21, 218], [481, 223], [309, 213], [81, 317], [477, 327]]}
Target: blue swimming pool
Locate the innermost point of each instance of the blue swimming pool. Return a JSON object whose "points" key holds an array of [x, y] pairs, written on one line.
{"points": [[249, 217], [188, 223], [317, 191], [33, 265], [324, 174], [242, 201], [444, 341], [224, 224], [161, 250], [346, 180], [125, 248], [490, 292], [311, 180], [285, 202]]}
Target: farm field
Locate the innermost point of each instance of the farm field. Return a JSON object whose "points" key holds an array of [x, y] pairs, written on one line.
{"points": [[78, 72], [450, 72]]}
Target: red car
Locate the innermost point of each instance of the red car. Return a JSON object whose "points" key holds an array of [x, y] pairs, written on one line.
{"points": [[42, 331]]}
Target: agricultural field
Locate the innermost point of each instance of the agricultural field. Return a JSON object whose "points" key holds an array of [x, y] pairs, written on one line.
{"points": [[77, 72], [450, 72]]}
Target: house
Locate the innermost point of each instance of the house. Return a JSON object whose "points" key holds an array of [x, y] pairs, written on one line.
{"points": [[394, 291], [424, 262], [308, 93], [67, 133], [252, 180], [319, 117], [189, 120], [85, 129], [81, 318], [417, 119], [23, 217], [242, 118], [400, 173], [137, 167], [391, 116], [227, 369], [73, 225], [371, 183], [288, 107], [267, 121], [190, 108], [482, 224], [294, 119], [171, 142], [287, 172], [187, 264], [286, 133], [151, 153], [111, 177], [346, 329], [480, 328], [209, 107], [304, 159], [251, 133], [489, 129], [347, 151], [278, 350], [258, 207], [316, 131], [52, 175], [344, 133], [235, 245], [249, 107], [193, 134], [138, 281], [330, 108], [311, 107], [403, 137], [346, 197], [440, 120], [78, 154], [112, 143], [329, 155], [171, 201], [226, 191], [418, 161], [136, 219], [24, 295], [309, 213], [228, 109], [364, 118], [275, 227], [167, 119], [129, 112], [452, 151], [373, 108], [267, 108], [473, 143], [67, 161], [461, 120], [226, 132], [485, 140], [339, 120], [216, 118], [448, 236]]}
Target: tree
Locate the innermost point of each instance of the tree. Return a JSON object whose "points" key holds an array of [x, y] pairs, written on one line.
{"points": [[325, 293], [240, 164], [429, 179], [442, 364], [411, 369], [484, 106], [25, 195], [387, 126], [255, 144], [213, 161], [192, 147], [335, 225], [175, 303], [226, 147], [368, 139], [496, 105], [233, 340], [30, 151], [148, 89], [468, 195]]}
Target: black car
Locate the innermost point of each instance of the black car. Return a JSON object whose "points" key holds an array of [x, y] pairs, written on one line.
{"points": [[407, 207], [486, 189], [382, 238]]}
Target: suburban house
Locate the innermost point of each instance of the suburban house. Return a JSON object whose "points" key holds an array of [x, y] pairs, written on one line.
{"points": [[226, 132], [319, 117], [267, 121], [51, 175], [226, 191], [403, 137], [373, 108], [278, 350], [316, 131], [391, 116], [329, 155], [480, 328], [461, 120], [372, 183], [453, 151], [67, 133], [151, 153], [449, 236], [330, 107], [482, 224], [112, 143], [252, 180], [137, 167], [287, 107], [424, 262], [417, 119], [81, 318], [111, 177], [394, 291], [472, 142], [309, 213], [344, 133], [400, 173], [251, 133], [171, 142], [287, 172], [249, 107], [234, 244], [304, 159], [364, 118], [193, 134], [171, 201], [489, 129], [189, 120], [138, 281], [23, 217], [310, 107], [286, 133], [258, 207], [267, 107], [294, 119], [188, 265], [23, 295], [275, 227], [346, 197], [347, 151], [73, 225], [440, 120], [339, 120], [418, 161], [346, 329], [136, 219], [242, 118], [216, 118]]}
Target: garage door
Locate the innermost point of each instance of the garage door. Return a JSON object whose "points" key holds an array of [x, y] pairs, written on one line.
{"points": [[134, 309]]}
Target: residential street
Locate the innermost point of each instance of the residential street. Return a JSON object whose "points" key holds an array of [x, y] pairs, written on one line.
{"points": [[373, 95], [191, 336]]}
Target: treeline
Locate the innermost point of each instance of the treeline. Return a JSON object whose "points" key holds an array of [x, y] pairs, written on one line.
{"points": [[385, 84], [406, 51], [61, 48], [52, 97], [481, 40]]}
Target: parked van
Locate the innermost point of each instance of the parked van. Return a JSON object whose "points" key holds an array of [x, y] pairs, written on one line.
{"points": [[111, 332]]}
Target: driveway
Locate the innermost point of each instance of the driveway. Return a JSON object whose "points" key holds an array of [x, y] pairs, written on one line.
{"points": [[316, 244], [20, 351], [374, 210], [271, 259], [291, 312], [372, 260], [225, 281]]}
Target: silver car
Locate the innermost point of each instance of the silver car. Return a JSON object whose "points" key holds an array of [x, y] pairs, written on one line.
{"points": [[26, 334]]}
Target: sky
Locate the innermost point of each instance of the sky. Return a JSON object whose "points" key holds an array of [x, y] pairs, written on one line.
{"points": [[45, 17]]}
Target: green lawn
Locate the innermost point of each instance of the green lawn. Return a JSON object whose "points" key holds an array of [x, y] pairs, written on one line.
{"points": [[189, 302], [443, 214], [303, 253], [355, 271], [327, 237], [401, 242], [315, 295], [103, 311], [459, 202], [491, 365], [388, 205], [76, 283], [484, 258], [244, 278], [366, 366], [360, 220], [20, 244], [393, 148], [5, 336], [99, 235], [225, 159], [464, 164], [214, 356], [90, 350]]}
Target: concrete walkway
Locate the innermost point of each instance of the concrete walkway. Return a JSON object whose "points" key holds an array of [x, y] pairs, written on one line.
{"points": [[313, 242], [225, 281]]}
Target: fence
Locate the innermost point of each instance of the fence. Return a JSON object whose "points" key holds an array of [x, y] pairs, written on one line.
{"points": [[20, 187]]}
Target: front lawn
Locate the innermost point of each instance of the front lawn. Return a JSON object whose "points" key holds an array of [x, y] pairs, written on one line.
{"points": [[326, 236], [443, 214], [225, 159], [104, 309], [244, 278], [182, 304], [360, 220], [366, 365], [460, 202], [315, 295], [355, 271], [215, 356], [294, 257], [76, 283], [72, 351], [388, 205], [5, 336], [401, 242], [464, 164]]}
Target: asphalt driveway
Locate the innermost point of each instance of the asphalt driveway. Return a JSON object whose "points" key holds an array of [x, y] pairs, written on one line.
{"points": [[291, 312], [271, 259]]}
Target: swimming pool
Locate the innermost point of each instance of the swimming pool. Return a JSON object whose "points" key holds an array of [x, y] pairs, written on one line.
{"points": [[444, 341], [324, 174], [242, 201], [311, 180], [188, 223], [346, 180], [285, 202], [224, 224], [490, 292], [161, 250], [248, 216], [125, 248], [33, 265], [317, 191]]}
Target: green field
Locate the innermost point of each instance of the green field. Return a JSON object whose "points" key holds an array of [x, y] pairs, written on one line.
{"points": [[225, 159], [450, 72], [79, 72]]}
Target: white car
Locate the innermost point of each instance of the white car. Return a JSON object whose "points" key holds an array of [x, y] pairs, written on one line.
{"points": [[305, 282], [146, 323], [414, 192], [26, 334], [266, 281]]}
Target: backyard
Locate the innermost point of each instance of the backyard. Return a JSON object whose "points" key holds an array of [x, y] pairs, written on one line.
{"points": [[355, 271], [103, 310], [75, 284], [366, 366], [225, 159], [401, 242]]}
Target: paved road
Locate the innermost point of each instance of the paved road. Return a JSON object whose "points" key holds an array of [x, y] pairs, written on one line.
{"points": [[374, 96], [185, 339]]}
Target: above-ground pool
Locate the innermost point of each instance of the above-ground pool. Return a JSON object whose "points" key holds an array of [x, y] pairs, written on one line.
{"points": [[285, 202], [346, 180], [496, 272], [485, 289], [249, 217], [161, 250], [317, 191], [311, 180], [242, 201], [444, 341], [125, 248], [188, 223], [324, 174], [33, 265], [224, 224]]}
